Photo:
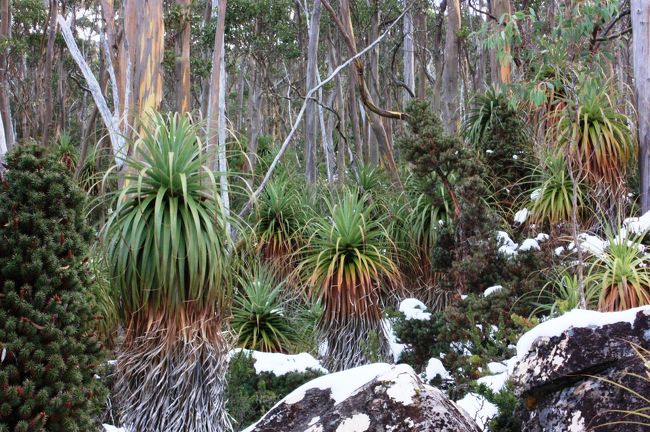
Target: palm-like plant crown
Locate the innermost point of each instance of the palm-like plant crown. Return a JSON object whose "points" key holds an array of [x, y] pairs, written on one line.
{"points": [[166, 239], [348, 257]]}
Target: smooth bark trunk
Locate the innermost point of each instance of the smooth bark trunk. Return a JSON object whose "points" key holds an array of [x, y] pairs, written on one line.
{"points": [[640, 14], [451, 70]]}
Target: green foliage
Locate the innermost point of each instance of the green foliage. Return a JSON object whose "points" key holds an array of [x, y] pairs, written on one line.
{"points": [[497, 130], [279, 222], [346, 265], [620, 273], [594, 133], [506, 402], [251, 395], [260, 317], [562, 294], [49, 353], [166, 239], [552, 193]]}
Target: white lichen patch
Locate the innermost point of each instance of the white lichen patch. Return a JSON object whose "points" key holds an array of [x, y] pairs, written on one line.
{"points": [[316, 428], [356, 423], [577, 423]]}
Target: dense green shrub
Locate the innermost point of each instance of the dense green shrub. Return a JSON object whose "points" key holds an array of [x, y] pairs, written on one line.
{"points": [[506, 402], [48, 351], [251, 395]]}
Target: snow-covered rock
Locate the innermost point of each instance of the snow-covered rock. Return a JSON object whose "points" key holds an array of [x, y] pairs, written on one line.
{"points": [[491, 290], [414, 309], [280, 364], [376, 397], [567, 364]]}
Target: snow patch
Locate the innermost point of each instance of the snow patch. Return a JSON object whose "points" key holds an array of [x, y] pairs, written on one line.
{"points": [[435, 368], [491, 290], [574, 318], [109, 428], [534, 195], [529, 244], [507, 247], [638, 225], [404, 382], [478, 408], [542, 237], [521, 215], [396, 348], [497, 367], [281, 364], [414, 309]]}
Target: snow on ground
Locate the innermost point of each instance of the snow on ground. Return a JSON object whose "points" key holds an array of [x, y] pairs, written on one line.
{"points": [[414, 309], [491, 290], [574, 318], [280, 364], [534, 196], [435, 368], [478, 408], [521, 215], [109, 428], [497, 367]]}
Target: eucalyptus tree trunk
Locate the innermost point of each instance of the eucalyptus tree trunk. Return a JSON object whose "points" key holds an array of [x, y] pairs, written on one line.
{"points": [[311, 82], [144, 29], [500, 67], [451, 70], [421, 43], [640, 13], [216, 84], [5, 111], [409, 56], [47, 108], [182, 42]]}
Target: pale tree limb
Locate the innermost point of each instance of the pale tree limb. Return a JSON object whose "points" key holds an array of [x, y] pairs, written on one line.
{"points": [[247, 208], [117, 141]]}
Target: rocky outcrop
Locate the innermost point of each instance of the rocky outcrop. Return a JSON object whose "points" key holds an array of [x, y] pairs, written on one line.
{"points": [[377, 397], [566, 381]]}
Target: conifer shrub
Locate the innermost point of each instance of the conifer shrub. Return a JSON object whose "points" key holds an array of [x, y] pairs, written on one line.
{"points": [[48, 351], [250, 395]]}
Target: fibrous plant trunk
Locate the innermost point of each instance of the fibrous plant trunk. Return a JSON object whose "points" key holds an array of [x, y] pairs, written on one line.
{"points": [[171, 377], [354, 335]]}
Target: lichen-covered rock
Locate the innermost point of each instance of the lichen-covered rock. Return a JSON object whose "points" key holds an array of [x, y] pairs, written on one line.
{"points": [[377, 397], [566, 381]]}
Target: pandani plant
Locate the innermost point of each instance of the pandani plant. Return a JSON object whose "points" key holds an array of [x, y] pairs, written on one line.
{"points": [[621, 272], [167, 254], [348, 266]]}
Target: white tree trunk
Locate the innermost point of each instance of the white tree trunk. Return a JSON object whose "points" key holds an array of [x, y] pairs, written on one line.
{"points": [[3, 146], [311, 82], [111, 123], [409, 56], [640, 13]]}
